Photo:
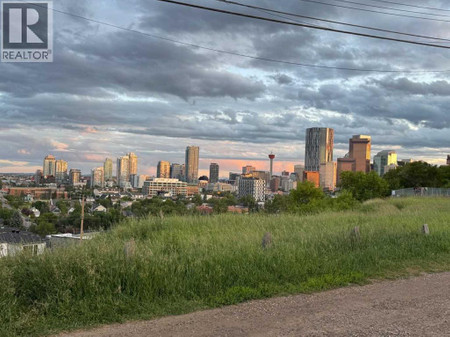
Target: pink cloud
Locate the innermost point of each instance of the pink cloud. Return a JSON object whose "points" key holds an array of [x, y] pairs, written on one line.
{"points": [[58, 146]]}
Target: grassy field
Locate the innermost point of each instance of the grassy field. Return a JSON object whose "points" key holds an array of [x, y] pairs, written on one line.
{"points": [[182, 264]]}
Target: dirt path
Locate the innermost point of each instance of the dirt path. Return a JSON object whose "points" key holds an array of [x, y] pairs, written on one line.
{"points": [[418, 306]]}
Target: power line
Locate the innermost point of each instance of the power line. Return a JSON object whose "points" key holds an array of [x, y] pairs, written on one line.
{"points": [[413, 6], [390, 8], [375, 11], [267, 10], [265, 59], [305, 25]]}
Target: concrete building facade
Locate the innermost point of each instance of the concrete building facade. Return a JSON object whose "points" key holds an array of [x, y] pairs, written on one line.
{"points": [[253, 187], [213, 173]]}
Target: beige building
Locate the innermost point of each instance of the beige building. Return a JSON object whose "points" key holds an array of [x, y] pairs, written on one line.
{"points": [[108, 169], [123, 170], [49, 167], [191, 166], [163, 169], [158, 186], [327, 176], [133, 162], [61, 167], [98, 177], [74, 176], [298, 170]]}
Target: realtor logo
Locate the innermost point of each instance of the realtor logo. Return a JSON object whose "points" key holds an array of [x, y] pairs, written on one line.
{"points": [[27, 31]]}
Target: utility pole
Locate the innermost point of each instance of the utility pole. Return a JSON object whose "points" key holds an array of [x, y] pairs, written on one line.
{"points": [[82, 216]]}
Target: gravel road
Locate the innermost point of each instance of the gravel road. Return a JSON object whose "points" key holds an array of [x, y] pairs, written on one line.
{"points": [[418, 306]]}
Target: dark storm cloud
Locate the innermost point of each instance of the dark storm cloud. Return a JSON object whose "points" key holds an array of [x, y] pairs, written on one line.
{"points": [[109, 89]]}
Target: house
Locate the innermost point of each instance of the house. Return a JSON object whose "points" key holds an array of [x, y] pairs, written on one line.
{"points": [[14, 241], [36, 212], [99, 208], [55, 210], [205, 209]]}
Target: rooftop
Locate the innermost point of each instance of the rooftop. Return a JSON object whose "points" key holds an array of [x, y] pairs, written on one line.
{"points": [[14, 235]]}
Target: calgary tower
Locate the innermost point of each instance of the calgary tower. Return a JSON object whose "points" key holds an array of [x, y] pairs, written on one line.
{"points": [[271, 157]]}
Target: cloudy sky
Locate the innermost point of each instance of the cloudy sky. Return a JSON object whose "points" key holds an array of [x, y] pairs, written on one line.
{"points": [[112, 91]]}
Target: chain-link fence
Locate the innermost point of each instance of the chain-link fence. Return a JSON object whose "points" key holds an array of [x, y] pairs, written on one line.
{"points": [[422, 192]]}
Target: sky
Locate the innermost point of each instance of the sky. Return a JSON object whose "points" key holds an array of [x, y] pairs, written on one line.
{"points": [[111, 91]]}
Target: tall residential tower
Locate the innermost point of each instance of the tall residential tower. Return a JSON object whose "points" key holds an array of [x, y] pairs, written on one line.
{"points": [[192, 159], [318, 148], [108, 169], [214, 173]]}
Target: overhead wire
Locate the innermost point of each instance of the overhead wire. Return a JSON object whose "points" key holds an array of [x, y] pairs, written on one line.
{"points": [[390, 8], [267, 10], [227, 52], [375, 11], [217, 10]]}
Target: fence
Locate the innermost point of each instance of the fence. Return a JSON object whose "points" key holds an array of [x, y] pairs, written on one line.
{"points": [[422, 192]]}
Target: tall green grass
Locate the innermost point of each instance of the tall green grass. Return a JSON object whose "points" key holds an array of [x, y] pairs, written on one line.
{"points": [[182, 264]]}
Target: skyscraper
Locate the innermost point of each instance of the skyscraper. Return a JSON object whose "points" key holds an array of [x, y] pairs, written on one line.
{"points": [[123, 170], [213, 173], [192, 158], [359, 149], [318, 148], [74, 176], [60, 170], [49, 168], [163, 169], [98, 177], [176, 171], [133, 159], [383, 159], [108, 169]]}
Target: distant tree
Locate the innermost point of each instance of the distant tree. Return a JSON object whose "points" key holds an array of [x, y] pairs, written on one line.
{"points": [[42, 206], [16, 220], [107, 203], [418, 174], [6, 213], [43, 228], [364, 186], [305, 193], [63, 206], [14, 202], [279, 203], [197, 199], [26, 211], [219, 205], [250, 202]]}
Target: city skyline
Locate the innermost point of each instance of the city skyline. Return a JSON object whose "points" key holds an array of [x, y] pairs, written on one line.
{"points": [[230, 165]]}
